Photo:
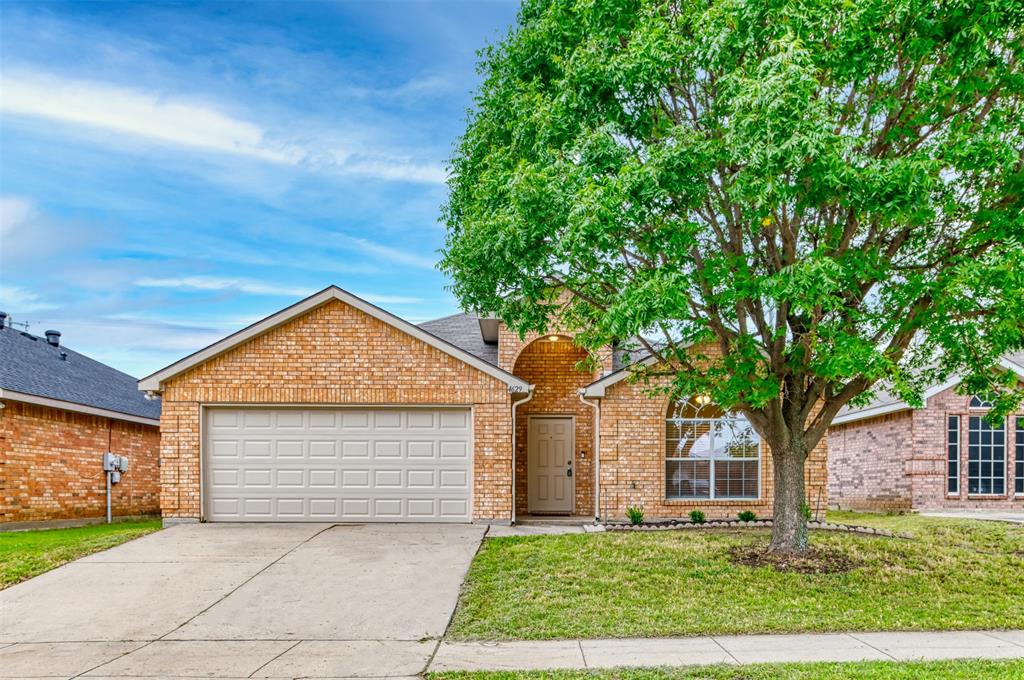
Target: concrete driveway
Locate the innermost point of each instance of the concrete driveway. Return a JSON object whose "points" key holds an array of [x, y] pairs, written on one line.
{"points": [[243, 600]]}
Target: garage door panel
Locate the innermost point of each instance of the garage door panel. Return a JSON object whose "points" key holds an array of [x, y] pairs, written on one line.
{"points": [[339, 464]]}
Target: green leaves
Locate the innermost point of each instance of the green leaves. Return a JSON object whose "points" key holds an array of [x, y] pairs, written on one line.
{"points": [[830, 193]]}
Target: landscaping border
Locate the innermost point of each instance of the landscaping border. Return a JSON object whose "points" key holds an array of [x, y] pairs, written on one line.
{"points": [[675, 525]]}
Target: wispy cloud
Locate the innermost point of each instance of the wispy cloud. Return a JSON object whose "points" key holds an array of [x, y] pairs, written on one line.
{"points": [[18, 300], [387, 253], [138, 112], [212, 283], [14, 211], [190, 122]]}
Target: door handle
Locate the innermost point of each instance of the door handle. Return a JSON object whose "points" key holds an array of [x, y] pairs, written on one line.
{"points": [[568, 470]]}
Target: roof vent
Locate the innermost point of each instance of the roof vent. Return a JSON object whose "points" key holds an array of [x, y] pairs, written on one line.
{"points": [[63, 356], [53, 337], [3, 319]]}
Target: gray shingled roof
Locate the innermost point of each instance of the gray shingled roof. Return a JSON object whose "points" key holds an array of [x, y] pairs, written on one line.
{"points": [[463, 331], [31, 365], [883, 398]]}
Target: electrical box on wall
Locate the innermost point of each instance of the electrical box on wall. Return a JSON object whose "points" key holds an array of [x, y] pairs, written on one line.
{"points": [[122, 463], [115, 477], [109, 461]]}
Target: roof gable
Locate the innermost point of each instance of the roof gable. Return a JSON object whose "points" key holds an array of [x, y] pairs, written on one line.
{"points": [[155, 381]]}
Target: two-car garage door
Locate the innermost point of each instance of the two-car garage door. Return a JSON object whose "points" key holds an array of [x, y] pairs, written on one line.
{"points": [[352, 464]]}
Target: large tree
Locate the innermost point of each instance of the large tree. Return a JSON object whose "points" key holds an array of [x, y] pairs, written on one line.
{"points": [[829, 191]]}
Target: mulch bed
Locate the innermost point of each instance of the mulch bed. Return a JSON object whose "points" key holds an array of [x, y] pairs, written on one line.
{"points": [[815, 561]]}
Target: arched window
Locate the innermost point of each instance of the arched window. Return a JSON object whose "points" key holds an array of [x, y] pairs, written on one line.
{"points": [[978, 402], [710, 453]]}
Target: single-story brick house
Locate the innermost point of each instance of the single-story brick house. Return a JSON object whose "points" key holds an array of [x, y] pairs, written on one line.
{"points": [[60, 411], [889, 456], [335, 410]]}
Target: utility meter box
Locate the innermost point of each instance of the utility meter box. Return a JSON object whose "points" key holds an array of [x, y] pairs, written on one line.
{"points": [[122, 463], [109, 461], [115, 477]]}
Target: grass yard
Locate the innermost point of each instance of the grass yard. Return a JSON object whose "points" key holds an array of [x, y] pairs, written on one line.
{"points": [[858, 670], [955, 574], [24, 554]]}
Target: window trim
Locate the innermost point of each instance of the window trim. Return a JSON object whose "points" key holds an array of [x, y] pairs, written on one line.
{"points": [[711, 460], [950, 428], [979, 494]]}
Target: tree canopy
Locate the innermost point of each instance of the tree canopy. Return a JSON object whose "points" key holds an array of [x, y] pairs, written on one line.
{"points": [[829, 191]]}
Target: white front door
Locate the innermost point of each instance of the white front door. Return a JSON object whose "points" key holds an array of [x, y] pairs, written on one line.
{"points": [[549, 464], [338, 464]]}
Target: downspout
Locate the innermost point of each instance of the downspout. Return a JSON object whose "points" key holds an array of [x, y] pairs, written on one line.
{"points": [[597, 452], [515, 405]]}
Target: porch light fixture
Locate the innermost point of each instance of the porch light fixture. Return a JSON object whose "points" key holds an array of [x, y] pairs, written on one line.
{"points": [[702, 399], [553, 338]]}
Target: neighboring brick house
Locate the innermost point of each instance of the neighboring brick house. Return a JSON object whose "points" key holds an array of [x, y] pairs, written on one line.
{"points": [[335, 410], [889, 456], [59, 412]]}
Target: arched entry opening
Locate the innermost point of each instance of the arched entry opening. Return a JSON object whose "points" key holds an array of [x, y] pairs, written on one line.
{"points": [[554, 431]]}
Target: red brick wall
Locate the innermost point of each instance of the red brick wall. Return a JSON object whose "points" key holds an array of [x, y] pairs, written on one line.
{"points": [[632, 467], [902, 460], [51, 464], [336, 354], [868, 463], [551, 368]]}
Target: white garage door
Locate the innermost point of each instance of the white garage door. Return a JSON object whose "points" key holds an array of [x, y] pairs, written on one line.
{"points": [[358, 465]]}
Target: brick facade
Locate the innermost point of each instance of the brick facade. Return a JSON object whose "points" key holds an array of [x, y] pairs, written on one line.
{"points": [[51, 464], [335, 354], [551, 368], [898, 461], [633, 462]]}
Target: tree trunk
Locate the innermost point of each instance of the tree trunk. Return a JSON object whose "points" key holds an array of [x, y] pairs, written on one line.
{"points": [[789, 526]]}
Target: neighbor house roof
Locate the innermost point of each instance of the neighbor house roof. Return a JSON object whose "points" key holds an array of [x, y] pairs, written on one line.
{"points": [[885, 402], [155, 381], [34, 371], [463, 331]]}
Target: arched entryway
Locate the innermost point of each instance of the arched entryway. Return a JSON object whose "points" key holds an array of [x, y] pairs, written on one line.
{"points": [[554, 431]]}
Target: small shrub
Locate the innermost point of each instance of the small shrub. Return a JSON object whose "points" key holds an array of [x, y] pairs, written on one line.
{"points": [[635, 515], [805, 512], [747, 516], [697, 517]]}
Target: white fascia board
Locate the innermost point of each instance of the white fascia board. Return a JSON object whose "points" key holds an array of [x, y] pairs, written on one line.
{"points": [[154, 382], [77, 408], [597, 388], [872, 412]]}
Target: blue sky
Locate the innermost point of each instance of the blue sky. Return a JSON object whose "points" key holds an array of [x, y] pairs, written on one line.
{"points": [[170, 173]]}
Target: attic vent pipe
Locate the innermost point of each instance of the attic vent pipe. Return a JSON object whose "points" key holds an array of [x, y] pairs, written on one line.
{"points": [[3, 319], [53, 337]]}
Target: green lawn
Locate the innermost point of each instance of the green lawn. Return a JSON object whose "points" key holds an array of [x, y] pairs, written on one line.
{"points": [[24, 554], [859, 670], [955, 574]]}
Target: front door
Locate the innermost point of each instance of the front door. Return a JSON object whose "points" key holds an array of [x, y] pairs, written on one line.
{"points": [[549, 464]]}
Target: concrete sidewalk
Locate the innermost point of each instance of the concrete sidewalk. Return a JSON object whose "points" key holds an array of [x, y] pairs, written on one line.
{"points": [[738, 649]]}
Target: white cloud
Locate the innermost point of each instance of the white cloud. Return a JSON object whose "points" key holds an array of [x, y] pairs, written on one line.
{"points": [[138, 112], [223, 284], [176, 120], [258, 288], [15, 211], [15, 299], [383, 252]]}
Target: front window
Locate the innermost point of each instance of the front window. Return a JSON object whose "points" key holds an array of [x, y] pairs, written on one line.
{"points": [[986, 457], [1018, 477], [953, 456], [710, 454]]}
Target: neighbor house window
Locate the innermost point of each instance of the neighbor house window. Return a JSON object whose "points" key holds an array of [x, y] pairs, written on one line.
{"points": [[986, 457], [1018, 461], [953, 455], [710, 453]]}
